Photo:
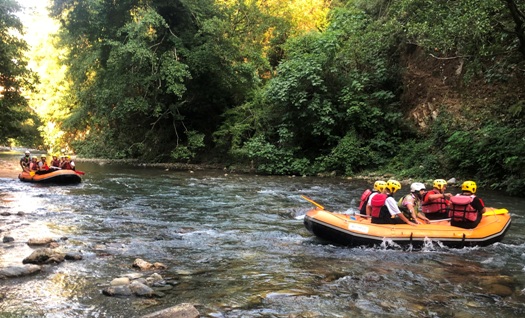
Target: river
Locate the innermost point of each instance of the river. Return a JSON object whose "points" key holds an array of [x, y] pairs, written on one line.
{"points": [[235, 246]]}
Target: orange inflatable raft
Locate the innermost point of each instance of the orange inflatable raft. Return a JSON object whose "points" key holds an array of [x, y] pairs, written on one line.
{"points": [[356, 230], [56, 176]]}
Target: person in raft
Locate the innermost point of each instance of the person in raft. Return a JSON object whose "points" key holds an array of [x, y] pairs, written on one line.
{"points": [[364, 204], [42, 165], [33, 165], [25, 161], [384, 206], [466, 209], [410, 204], [55, 162], [435, 203], [379, 187]]}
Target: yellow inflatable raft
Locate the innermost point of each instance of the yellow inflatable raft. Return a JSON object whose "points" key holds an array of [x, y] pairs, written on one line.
{"points": [[355, 230]]}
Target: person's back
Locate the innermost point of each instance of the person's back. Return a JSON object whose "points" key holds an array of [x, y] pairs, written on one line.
{"points": [[384, 206], [434, 204], [365, 207], [466, 209]]}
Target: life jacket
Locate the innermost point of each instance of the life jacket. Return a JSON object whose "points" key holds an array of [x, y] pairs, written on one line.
{"points": [[439, 205], [66, 165], [55, 163], [461, 208], [33, 166], [364, 199], [43, 165], [379, 209]]}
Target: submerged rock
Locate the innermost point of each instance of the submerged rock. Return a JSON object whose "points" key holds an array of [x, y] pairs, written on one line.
{"points": [[183, 310], [141, 289], [17, 271]]}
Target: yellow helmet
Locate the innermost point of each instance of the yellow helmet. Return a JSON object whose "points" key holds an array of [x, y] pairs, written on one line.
{"points": [[469, 186], [439, 184], [379, 185], [393, 186]]}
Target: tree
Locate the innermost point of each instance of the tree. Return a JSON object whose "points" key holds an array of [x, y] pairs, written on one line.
{"points": [[17, 120]]}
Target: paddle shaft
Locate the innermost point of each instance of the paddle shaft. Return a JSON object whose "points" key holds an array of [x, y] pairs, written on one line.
{"points": [[313, 202]]}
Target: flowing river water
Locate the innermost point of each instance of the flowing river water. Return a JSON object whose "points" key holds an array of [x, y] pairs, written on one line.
{"points": [[235, 246]]}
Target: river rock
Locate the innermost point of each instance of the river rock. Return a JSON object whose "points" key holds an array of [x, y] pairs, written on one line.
{"points": [[17, 271], [121, 290], [70, 256], [183, 310], [8, 239], [40, 241], [500, 290], [120, 281], [144, 266], [155, 280], [45, 256], [141, 289]]}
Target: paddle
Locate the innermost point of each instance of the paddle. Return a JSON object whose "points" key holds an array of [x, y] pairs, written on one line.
{"points": [[313, 202], [80, 173], [32, 173], [496, 212]]}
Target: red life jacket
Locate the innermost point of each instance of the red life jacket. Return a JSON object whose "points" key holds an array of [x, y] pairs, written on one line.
{"points": [[378, 204], [438, 205], [364, 200], [33, 166], [461, 208]]}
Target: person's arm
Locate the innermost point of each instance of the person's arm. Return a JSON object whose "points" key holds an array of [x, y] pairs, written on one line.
{"points": [[435, 196], [404, 218], [391, 204], [478, 204], [412, 210]]}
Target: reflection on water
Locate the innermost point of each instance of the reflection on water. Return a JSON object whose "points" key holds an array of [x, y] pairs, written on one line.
{"points": [[235, 246]]}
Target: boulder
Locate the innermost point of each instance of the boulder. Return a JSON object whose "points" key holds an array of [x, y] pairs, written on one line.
{"points": [[44, 256]]}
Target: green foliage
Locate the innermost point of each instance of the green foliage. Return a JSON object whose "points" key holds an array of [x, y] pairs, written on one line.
{"points": [[491, 153], [195, 142], [17, 120], [270, 159], [349, 156], [291, 90]]}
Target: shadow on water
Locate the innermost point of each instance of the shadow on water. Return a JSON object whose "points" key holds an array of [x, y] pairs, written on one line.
{"points": [[235, 246]]}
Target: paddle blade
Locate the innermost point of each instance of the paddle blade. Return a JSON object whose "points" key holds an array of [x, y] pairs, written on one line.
{"points": [[496, 212], [313, 202], [80, 173], [32, 173]]}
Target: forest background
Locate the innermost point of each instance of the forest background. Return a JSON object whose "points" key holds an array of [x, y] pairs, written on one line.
{"points": [[414, 88]]}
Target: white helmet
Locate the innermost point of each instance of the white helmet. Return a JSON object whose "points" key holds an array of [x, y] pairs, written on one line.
{"points": [[27, 152], [417, 186]]}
